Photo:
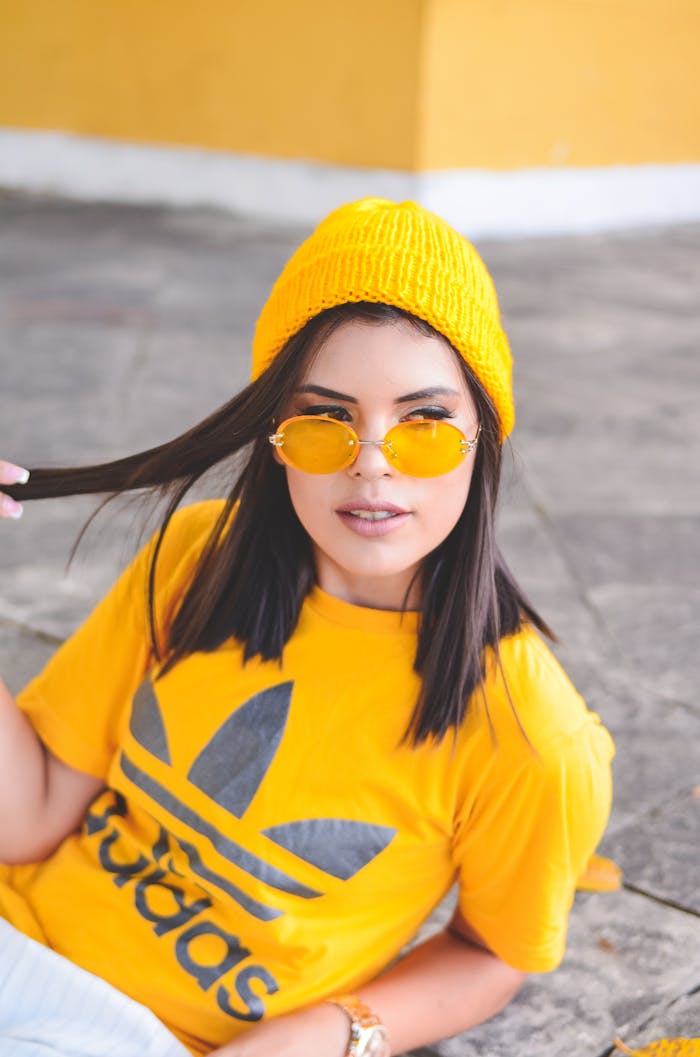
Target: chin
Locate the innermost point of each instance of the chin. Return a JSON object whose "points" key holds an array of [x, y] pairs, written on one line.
{"points": [[374, 569]]}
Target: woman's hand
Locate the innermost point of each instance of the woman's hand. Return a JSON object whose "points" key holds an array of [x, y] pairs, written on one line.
{"points": [[11, 474], [320, 1031]]}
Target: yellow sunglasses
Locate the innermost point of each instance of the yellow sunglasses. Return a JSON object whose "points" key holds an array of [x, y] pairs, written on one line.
{"points": [[420, 448]]}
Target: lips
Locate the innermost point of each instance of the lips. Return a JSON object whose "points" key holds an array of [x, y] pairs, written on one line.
{"points": [[371, 506], [372, 517]]}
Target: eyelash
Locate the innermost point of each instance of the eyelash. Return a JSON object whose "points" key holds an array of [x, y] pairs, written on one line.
{"points": [[335, 411]]}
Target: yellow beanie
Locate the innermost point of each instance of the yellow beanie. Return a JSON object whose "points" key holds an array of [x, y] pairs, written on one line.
{"points": [[401, 255]]}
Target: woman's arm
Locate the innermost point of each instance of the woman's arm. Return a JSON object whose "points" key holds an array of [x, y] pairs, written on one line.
{"points": [[42, 799], [444, 986]]}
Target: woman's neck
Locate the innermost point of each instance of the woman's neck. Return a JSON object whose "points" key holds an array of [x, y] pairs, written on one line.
{"points": [[372, 592]]}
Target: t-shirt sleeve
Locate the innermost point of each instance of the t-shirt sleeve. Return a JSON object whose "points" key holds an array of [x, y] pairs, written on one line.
{"points": [[526, 841], [77, 704]]}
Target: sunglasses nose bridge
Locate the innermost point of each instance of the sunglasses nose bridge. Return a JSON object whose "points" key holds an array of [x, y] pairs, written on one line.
{"points": [[383, 446]]}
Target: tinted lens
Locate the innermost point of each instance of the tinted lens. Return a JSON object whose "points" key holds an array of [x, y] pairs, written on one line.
{"points": [[316, 445], [424, 449]]}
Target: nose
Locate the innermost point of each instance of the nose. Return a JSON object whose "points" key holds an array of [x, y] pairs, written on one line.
{"points": [[371, 463]]}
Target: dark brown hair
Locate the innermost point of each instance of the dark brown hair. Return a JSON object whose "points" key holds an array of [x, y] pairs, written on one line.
{"points": [[256, 568]]}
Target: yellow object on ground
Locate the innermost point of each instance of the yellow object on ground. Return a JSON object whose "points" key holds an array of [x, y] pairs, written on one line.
{"points": [[601, 875], [663, 1048]]}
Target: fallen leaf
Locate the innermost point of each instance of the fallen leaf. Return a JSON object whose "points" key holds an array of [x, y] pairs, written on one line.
{"points": [[601, 875], [663, 1048]]}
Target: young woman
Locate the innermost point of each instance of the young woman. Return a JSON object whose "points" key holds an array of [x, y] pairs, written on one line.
{"points": [[305, 711]]}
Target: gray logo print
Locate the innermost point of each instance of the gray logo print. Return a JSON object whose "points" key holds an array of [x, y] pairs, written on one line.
{"points": [[230, 769]]}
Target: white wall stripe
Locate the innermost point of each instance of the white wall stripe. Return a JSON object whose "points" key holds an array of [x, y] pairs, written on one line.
{"points": [[481, 203]]}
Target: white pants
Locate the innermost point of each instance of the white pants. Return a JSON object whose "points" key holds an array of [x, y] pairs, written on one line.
{"points": [[50, 1007]]}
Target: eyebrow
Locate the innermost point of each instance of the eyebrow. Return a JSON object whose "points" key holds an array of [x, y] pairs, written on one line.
{"points": [[420, 394]]}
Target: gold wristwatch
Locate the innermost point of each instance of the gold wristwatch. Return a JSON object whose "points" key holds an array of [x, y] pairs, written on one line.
{"points": [[368, 1036]]}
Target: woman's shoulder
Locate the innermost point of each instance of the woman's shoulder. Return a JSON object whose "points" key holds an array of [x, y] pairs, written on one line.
{"points": [[184, 539], [528, 700], [193, 524]]}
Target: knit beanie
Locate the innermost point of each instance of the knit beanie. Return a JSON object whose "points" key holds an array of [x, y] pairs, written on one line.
{"points": [[401, 255]]}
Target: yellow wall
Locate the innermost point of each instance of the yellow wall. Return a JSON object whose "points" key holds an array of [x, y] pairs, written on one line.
{"points": [[403, 84], [285, 78], [510, 84]]}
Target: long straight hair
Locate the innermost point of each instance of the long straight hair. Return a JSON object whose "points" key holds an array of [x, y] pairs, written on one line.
{"points": [[256, 568]]}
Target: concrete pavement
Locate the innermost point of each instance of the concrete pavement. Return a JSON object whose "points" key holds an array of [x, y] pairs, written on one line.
{"points": [[122, 326]]}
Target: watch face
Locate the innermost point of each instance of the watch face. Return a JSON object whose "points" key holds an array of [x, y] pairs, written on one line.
{"points": [[376, 1044]]}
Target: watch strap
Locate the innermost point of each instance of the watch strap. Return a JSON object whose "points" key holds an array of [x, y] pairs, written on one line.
{"points": [[362, 1020]]}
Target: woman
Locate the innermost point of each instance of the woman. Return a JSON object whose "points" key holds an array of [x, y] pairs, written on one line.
{"points": [[305, 711]]}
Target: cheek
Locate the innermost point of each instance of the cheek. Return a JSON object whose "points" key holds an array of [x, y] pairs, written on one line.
{"points": [[309, 495], [444, 502]]}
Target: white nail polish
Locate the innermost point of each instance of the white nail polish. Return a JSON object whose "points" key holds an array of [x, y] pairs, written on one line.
{"points": [[10, 507], [23, 477]]}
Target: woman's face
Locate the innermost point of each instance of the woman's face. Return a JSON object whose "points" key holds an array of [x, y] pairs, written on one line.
{"points": [[372, 376]]}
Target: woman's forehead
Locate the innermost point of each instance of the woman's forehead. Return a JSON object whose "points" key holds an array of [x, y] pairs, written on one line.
{"points": [[363, 360]]}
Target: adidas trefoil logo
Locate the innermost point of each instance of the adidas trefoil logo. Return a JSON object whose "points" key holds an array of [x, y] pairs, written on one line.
{"points": [[230, 769]]}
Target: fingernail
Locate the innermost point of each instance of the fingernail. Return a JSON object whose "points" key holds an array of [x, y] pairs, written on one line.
{"points": [[18, 473], [11, 508]]}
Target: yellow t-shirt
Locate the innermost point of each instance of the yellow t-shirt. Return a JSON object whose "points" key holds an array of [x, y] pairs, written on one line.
{"points": [[264, 840]]}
